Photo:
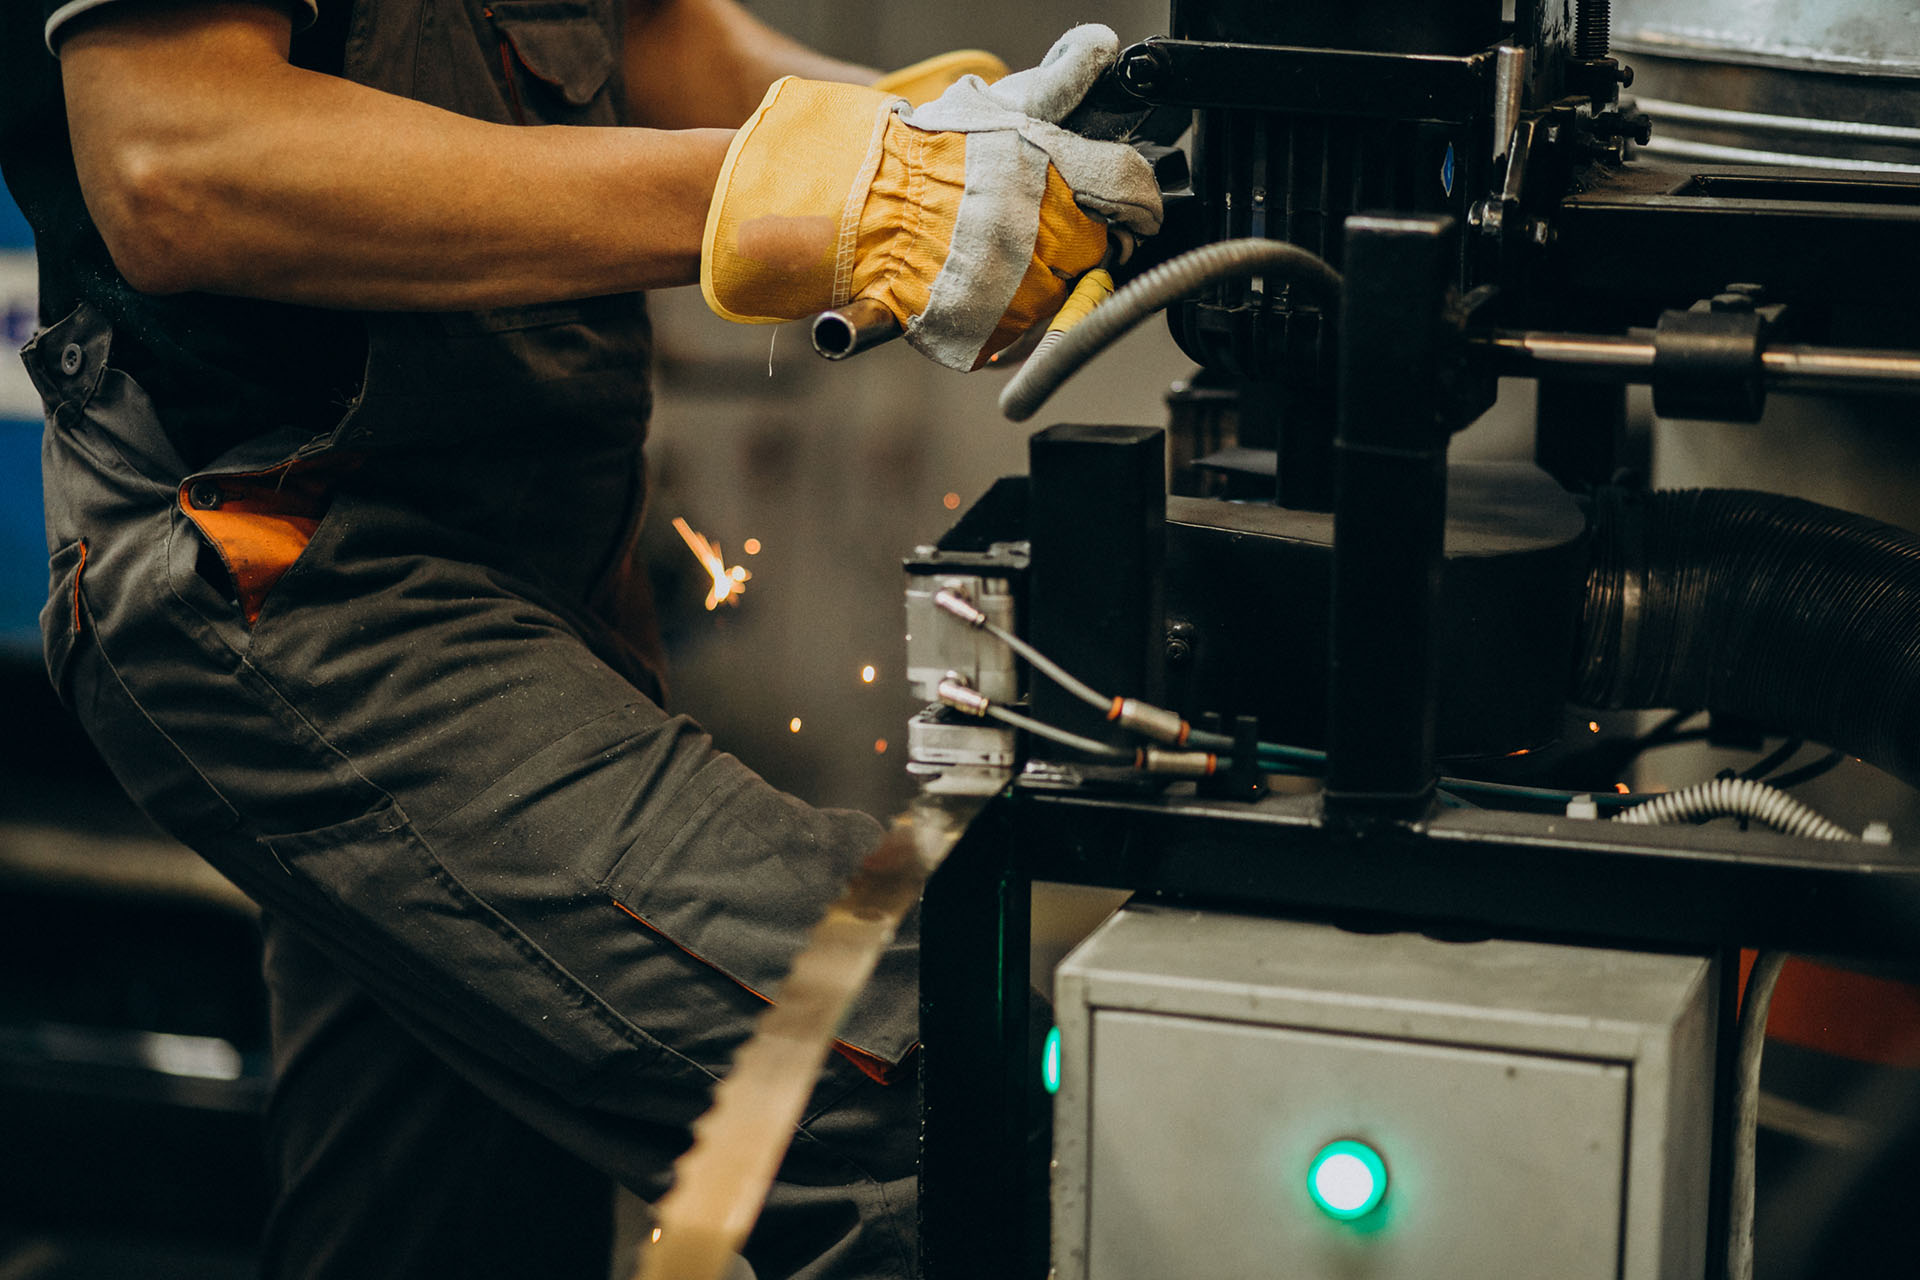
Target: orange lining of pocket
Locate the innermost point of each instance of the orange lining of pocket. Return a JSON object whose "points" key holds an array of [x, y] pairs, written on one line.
{"points": [[263, 522], [869, 1064]]}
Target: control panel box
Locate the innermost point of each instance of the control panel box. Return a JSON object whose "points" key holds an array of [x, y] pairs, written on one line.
{"points": [[1242, 1096]]}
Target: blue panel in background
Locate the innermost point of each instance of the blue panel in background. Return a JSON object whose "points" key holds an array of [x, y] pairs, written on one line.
{"points": [[23, 545], [23, 540], [14, 232]]}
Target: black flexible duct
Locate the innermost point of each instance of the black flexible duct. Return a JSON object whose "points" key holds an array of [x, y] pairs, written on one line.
{"points": [[1797, 616]]}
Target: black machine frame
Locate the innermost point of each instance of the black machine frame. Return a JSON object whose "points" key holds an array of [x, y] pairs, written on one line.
{"points": [[1415, 357]]}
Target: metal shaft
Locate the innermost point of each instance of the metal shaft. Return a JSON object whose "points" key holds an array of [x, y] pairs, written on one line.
{"points": [[1625, 358], [1803, 368]]}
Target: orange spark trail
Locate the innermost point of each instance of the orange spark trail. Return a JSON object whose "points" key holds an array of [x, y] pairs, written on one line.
{"points": [[728, 583]]}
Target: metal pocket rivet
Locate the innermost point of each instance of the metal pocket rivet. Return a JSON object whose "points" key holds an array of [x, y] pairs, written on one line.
{"points": [[72, 359], [204, 496]]}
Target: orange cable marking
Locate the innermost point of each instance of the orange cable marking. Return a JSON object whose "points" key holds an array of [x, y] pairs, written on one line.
{"points": [[77, 571], [513, 85]]}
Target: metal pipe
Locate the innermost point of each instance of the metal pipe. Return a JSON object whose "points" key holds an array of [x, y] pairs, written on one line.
{"points": [[1628, 358], [853, 328], [1803, 368], [1595, 356]]}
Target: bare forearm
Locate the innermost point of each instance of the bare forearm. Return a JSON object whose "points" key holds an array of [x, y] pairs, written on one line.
{"points": [[707, 63], [211, 164]]}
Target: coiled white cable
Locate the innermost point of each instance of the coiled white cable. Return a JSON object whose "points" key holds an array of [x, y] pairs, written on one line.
{"points": [[1736, 798], [1745, 798]]}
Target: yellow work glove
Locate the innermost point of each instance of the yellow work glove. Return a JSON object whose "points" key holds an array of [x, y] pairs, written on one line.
{"points": [[968, 217], [928, 79]]}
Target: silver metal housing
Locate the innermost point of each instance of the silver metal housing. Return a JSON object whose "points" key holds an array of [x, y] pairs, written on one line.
{"points": [[1826, 84], [1542, 1110]]}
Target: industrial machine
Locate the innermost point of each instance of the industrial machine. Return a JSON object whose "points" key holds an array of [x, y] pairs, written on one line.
{"points": [[1409, 987]]}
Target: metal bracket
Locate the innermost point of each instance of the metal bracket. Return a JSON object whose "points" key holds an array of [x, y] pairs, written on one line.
{"points": [[1342, 82], [1707, 360]]}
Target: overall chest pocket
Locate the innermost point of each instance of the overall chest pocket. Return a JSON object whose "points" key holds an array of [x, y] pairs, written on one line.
{"points": [[557, 59]]}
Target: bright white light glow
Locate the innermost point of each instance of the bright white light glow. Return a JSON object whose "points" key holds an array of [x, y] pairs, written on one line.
{"points": [[1347, 1179], [1343, 1182]]}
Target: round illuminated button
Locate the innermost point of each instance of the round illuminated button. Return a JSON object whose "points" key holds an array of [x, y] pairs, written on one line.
{"points": [[1347, 1179]]}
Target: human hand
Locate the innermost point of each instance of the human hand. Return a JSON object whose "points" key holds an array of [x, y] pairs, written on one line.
{"points": [[968, 217]]}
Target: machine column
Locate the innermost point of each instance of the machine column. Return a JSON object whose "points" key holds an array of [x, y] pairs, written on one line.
{"points": [[1390, 499]]}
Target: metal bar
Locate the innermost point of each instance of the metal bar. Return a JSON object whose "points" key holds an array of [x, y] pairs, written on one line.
{"points": [[1808, 236], [1509, 95], [1594, 356], [1802, 368], [1342, 82], [1786, 367], [1389, 516], [1667, 147], [1813, 127], [1524, 874]]}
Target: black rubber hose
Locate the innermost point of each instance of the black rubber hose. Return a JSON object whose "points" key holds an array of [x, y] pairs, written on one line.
{"points": [[1799, 617]]}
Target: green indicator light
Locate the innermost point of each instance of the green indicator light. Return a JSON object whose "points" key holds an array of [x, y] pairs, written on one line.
{"points": [[1347, 1179], [1050, 1062]]}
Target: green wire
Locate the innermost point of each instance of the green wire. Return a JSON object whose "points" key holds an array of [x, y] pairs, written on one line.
{"points": [[1277, 758]]}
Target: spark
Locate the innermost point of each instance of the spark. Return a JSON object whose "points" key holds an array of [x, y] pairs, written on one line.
{"points": [[866, 674], [1623, 788], [879, 746], [951, 502], [751, 546], [728, 583], [793, 725], [656, 1235], [1593, 726]]}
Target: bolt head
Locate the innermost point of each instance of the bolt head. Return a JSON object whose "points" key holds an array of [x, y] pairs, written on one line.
{"points": [[1142, 70]]}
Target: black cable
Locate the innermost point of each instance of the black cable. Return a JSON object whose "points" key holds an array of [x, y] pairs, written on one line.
{"points": [[1551, 796], [1609, 758], [1767, 764], [1808, 772], [1667, 730]]}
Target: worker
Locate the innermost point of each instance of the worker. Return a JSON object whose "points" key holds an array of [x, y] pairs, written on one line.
{"points": [[344, 360]]}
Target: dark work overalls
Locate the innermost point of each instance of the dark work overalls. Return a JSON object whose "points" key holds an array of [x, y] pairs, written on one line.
{"points": [[391, 680]]}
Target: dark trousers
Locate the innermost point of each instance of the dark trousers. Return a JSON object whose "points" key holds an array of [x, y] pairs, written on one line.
{"points": [[518, 916]]}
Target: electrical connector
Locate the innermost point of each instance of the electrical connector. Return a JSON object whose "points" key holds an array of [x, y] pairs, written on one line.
{"points": [[1155, 722], [1177, 764], [961, 696], [959, 606]]}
